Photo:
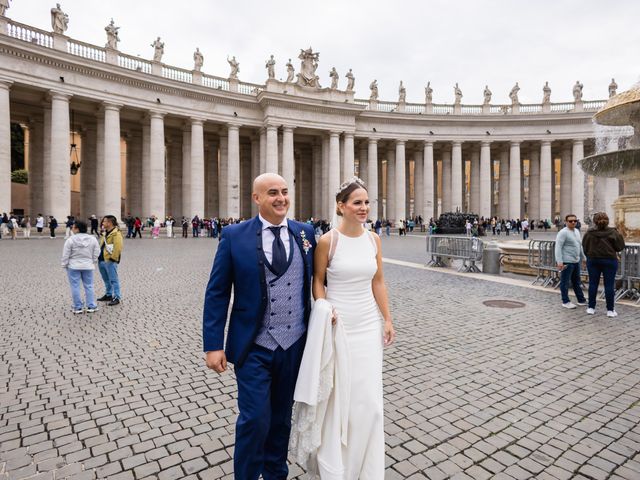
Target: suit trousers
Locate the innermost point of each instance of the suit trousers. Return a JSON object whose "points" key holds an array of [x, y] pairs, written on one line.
{"points": [[266, 382]]}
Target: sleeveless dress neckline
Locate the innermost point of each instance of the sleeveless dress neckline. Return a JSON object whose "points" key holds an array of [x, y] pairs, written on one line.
{"points": [[354, 238]]}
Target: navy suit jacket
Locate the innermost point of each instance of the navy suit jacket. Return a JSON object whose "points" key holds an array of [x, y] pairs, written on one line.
{"points": [[239, 263]]}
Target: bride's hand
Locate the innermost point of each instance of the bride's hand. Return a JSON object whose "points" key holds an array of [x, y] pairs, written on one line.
{"points": [[334, 316], [389, 333]]}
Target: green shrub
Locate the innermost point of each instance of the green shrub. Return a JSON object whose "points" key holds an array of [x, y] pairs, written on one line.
{"points": [[20, 176]]}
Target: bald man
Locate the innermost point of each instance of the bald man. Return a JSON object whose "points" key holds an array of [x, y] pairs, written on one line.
{"points": [[268, 261]]}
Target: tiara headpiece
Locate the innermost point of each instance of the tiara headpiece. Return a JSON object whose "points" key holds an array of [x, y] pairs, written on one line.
{"points": [[353, 179]]}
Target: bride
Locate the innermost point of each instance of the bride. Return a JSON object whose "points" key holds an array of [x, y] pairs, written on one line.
{"points": [[349, 258]]}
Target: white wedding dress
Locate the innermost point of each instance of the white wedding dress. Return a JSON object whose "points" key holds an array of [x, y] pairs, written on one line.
{"points": [[349, 290]]}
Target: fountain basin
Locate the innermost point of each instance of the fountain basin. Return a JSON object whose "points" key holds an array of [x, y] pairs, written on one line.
{"points": [[623, 164]]}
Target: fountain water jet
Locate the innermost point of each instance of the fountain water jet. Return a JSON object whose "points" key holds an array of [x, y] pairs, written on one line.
{"points": [[622, 110]]}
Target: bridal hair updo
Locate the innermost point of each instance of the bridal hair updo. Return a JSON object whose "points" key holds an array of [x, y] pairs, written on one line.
{"points": [[346, 189]]}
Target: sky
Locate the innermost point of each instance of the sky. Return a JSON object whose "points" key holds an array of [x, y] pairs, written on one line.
{"points": [[472, 42]]}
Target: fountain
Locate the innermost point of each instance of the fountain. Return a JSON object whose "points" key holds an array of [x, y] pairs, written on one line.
{"points": [[621, 110]]}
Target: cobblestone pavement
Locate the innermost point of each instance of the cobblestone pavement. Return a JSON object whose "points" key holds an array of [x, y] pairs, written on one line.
{"points": [[470, 391]]}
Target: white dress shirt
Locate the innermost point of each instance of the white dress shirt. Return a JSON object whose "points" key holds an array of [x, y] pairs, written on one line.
{"points": [[267, 237]]}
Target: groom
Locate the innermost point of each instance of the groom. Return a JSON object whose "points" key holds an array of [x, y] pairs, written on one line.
{"points": [[269, 262]]}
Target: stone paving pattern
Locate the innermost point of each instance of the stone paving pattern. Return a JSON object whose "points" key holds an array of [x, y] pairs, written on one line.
{"points": [[471, 392]]}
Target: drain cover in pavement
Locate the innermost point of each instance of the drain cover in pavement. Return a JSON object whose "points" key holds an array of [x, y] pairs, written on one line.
{"points": [[503, 304]]}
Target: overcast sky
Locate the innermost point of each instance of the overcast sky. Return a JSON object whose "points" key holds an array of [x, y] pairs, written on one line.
{"points": [[472, 42]]}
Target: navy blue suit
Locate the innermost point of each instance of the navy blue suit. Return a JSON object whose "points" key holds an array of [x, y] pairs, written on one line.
{"points": [[266, 379]]}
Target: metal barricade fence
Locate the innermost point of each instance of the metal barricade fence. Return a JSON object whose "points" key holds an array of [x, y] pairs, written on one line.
{"points": [[629, 267], [542, 258], [443, 247]]}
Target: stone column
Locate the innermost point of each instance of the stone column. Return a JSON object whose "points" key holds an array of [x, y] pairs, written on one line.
{"points": [[418, 183], [316, 184], [486, 180], [186, 172], [565, 181], [263, 151], [391, 185], [175, 172], [255, 170], [36, 166], [401, 182], [503, 184], [363, 168], [197, 168], [212, 193], [546, 176], [288, 168], [59, 180], [474, 197], [5, 148], [46, 160], [134, 174], [334, 171], [456, 177], [327, 213], [111, 175], [233, 172], [348, 168], [577, 180], [245, 180], [428, 193], [534, 184], [446, 181], [372, 176], [515, 181], [223, 175], [156, 166], [271, 165]]}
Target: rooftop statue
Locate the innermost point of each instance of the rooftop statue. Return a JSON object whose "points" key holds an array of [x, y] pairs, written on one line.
{"points": [[158, 50], [546, 93], [458, 93], [577, 91], [513, 94], [271, 67], [307, 76], [487, 95], [374, 90], [290, 71], [59, 20], [402, 93], [4, 5], [112, 35], [428, 93], [333, 74], [235, 67], [198, 60], [613, 87], [351, 81]]}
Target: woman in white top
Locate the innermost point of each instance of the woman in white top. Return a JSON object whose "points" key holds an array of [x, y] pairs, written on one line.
{"points": [[351, 262]]}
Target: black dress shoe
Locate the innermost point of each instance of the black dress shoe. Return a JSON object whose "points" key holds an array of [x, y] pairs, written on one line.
{"points": [[115, 301], [105, 298]]}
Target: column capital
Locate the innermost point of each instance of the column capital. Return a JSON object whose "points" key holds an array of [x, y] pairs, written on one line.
{"points": [[334, 133], [288, 128], [546, 143], [110, 106], [270, 127], [56, 95], [400, 143], [233, 126], [514, 143], [153, 114], [578, 141], [485, 143], [5, 84], [456, 144], [428, 143], [349, 134], [372, 141], [197, 121]]}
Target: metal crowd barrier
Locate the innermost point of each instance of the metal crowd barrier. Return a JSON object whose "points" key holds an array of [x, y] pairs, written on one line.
{"points": [[542, 258], [442, 247]]}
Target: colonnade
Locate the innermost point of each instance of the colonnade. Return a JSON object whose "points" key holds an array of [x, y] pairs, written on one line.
{"points": [[206, 168]]}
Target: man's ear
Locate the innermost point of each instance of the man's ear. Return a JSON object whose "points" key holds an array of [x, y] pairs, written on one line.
{"points": [[255, 198]]}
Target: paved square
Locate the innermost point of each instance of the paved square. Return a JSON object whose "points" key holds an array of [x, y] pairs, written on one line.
{"points": [[471, 392]]}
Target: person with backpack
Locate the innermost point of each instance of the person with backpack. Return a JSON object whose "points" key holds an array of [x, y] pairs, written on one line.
{"points": [[53, 224]]}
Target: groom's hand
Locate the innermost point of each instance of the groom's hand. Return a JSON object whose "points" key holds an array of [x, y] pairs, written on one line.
{"points": [[216, 360]]}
